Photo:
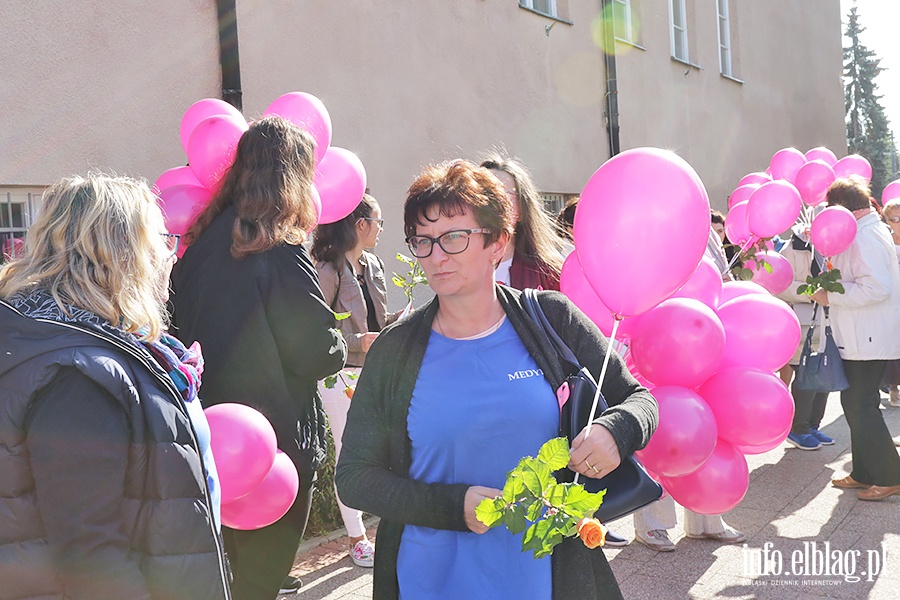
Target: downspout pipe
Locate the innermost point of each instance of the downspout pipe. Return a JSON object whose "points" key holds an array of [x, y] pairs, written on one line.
{"points": [[612, 91], [229, 58]]}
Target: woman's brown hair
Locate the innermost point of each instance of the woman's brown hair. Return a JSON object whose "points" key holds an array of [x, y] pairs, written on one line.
{"points": [[270, 186], [850, 192]]}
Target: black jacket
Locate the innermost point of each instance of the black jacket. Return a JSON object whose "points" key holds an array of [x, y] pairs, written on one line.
{"points": [[373, 470], [266, 332], [102, 487]]}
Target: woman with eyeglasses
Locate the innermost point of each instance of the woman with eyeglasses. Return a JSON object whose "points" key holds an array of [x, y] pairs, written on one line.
{"points": [[246, 288], [352, 281], [455, 394], [108, 485], [535, 254]]}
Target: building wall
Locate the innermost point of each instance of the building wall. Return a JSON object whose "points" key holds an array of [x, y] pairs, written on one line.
{"points": [[104, 85], [788, 60]]}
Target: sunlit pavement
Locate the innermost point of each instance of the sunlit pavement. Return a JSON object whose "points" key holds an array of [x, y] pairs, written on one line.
{"points": [[790, 511]]}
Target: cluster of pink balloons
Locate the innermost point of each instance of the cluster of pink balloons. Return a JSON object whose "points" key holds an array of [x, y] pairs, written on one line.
{"points": [[259, 482], [210, 131], [641, 230]]}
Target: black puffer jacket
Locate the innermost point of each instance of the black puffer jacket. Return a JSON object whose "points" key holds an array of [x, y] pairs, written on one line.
{"points": [[132, 520]]}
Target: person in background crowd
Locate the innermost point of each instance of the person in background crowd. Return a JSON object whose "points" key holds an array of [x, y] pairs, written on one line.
{"points": [[352, 281], [809, 407], [534, 256], [891, 214], [108, 487], [865, 320], [246, 289], [436, 421]]}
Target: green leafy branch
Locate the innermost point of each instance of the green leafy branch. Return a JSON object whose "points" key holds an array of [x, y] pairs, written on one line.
{"points": [[743, 273], [533, 502], [414, 276], [826, 280]]}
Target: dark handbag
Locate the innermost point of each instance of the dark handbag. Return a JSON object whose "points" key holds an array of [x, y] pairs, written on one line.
{"points": [[629, 487], [820, 371]]}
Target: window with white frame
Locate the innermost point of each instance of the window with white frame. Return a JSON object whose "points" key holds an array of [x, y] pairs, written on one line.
{"points": [[724, 38], [678, 30], [17, 209], [546, 7], [622, 20]]}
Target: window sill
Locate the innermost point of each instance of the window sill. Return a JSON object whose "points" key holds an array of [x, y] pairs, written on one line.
{"points": [[732, 78], [545, 15], [630, 43], [686, 63]]}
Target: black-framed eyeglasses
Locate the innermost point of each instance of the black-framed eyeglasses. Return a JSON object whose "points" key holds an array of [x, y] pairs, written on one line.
{"points": [[172, 241], [452, 242]]}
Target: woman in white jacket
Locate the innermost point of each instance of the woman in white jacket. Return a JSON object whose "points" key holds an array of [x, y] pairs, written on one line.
{"points": [[866, 323]]}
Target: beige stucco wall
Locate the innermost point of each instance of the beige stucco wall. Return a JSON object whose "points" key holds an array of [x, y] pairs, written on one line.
{"points": [[789, 59]]}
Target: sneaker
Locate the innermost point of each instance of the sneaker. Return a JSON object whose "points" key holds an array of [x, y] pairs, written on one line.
{"points": [[658, 539], [729, 536], [290, 585], [363, 554], [804, 441], [823, 439], [616, 541]]}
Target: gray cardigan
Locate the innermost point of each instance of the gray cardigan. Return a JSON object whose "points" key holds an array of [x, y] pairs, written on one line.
{"points": [[372, 474]]}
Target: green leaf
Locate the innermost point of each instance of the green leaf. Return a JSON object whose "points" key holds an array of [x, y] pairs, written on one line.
{"points": [[534, 510], [330, 381], [803, 289], [341, 316], [536, 475], [488, 513], [767, 267], [350, 375], [530, 540], [515, 519], [555, 453], [513, 488]]}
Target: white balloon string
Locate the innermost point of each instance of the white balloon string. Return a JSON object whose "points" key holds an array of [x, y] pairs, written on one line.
{"points": [[609, 348], [737, 254]]}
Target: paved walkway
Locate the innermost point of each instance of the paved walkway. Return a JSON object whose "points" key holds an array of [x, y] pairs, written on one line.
{"points": [[790, 505]]}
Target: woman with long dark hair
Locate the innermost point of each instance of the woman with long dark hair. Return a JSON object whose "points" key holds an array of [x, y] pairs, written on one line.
{"points": [[247, 290], [352, 281]]}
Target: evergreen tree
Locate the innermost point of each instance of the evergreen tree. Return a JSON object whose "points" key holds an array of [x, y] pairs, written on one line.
{"points": [[868, 128]]}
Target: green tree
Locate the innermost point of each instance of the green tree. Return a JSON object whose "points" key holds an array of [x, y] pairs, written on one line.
{"points": [[868, 128]]}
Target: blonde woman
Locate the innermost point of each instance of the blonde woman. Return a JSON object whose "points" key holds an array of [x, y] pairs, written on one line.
{"points": [[108, 486]]}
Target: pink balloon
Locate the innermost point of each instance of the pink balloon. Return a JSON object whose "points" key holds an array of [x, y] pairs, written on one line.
{"points": [[269, 501], [741, 193], [735, 289], [575, 286], [779, 279], [763, 448], [761, 331], [663, 221], [757, 178], [785, 164], [717, 486], [813, 181], [704, 285], [752, 407], [680, 342], [629, 364], [199, 110], [853, 164], [891, 192], [736, 224], [340, 179], [176, 176], [212, 147], [833, 230], [823, 154], [316, 201], [773, 208], [686, 435], [243, 444], [307, 112], [181, 205]]}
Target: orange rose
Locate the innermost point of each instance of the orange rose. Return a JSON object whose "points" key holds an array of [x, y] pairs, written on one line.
{"points": [[592, 532], [348, 391]]}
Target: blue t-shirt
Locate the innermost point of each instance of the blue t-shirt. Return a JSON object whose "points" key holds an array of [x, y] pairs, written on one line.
{"points": [[478, 407]]}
